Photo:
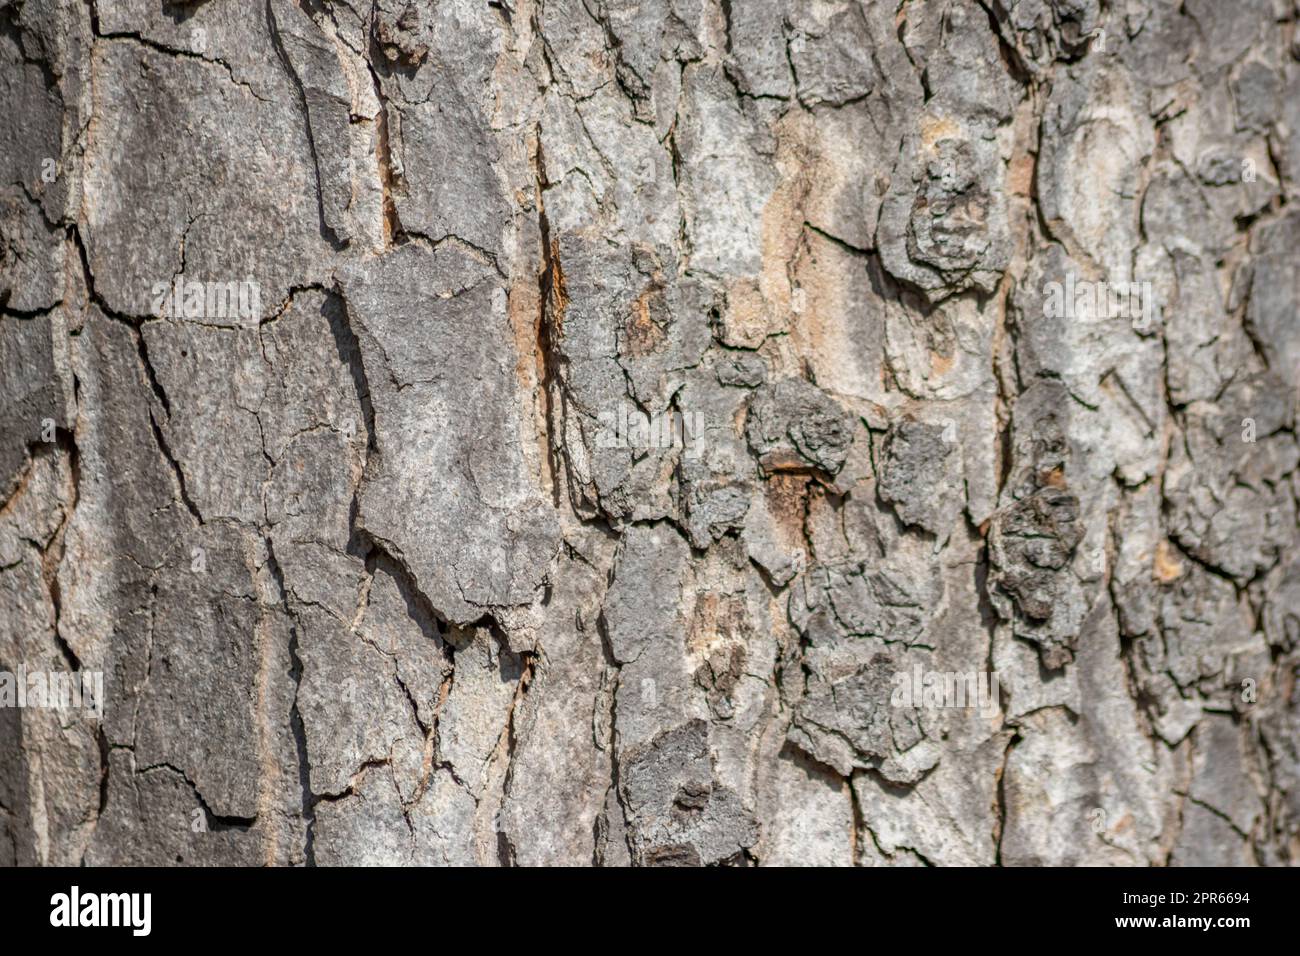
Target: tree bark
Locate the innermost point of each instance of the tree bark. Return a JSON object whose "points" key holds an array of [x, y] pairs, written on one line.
{"points": [[676, 432]]}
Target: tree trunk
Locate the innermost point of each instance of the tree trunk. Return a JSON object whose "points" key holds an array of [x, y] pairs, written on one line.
{"points": [[675, 432]]}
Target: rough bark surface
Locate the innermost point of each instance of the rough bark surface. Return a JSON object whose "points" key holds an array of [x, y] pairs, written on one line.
{"points": [[376, 573]]}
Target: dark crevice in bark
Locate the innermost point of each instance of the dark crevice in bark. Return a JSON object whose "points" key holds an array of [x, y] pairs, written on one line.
{"points": [[296, 724], [1000, 800], [551, 304], [350, 354], [326, 232], [175, 468], [215, 821]]}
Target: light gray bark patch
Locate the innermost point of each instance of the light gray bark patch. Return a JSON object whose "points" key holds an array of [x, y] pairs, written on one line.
{"points": [[155, 817], [259, 222], [214, 383], [921, 476], [793, 425], [447, 491], [354, 712], [680, 816], [33, 403], [31, 252], [311, 57], [198, 706]]}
